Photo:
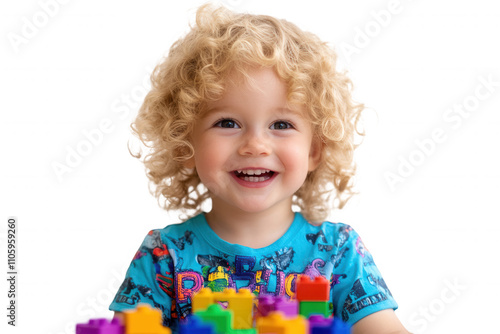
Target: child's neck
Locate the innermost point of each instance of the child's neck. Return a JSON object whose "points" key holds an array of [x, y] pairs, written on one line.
{"points": [[251, 229]]}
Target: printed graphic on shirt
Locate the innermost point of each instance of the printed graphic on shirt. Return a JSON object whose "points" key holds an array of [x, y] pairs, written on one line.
{"points": [[166, 274], [358, 299]]}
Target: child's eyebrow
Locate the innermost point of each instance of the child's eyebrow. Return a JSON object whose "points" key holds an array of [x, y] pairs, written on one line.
{"points": [[286, 110], [224, 108], [292, 112], [210, 111]]}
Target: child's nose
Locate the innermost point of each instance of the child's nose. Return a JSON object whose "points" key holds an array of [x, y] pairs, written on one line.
{"points": [[255, 144]]}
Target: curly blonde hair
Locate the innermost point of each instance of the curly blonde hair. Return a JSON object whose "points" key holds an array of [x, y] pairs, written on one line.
{"points": [[196, 70]]}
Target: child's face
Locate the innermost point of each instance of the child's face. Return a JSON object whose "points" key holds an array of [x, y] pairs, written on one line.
{"points": [[251, 151]]}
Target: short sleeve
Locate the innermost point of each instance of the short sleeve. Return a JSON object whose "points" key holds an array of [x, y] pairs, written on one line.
{"points": [[149, 279], [359, 289]]}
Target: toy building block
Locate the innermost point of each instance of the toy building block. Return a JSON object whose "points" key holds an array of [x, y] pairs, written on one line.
{"points": [[194, 325], [318, 324], [321, 325], [202, 299], [214, 314], [269, 303], [309, 308], [340, 327], [100, 326], [144, 320], [240, 303], [244, 331], [308, 290], [265, 305], [276, 323]]}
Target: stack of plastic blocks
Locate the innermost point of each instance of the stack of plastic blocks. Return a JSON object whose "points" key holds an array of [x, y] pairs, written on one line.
{"points": [[142, 320], [308, 314], [237, 318], [313, 295]]}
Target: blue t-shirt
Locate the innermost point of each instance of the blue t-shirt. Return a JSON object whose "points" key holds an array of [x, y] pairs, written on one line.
{"points": [[175, 262]]}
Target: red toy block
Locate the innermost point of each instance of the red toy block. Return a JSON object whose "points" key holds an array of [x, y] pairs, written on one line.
{"points": [[307, 290]]}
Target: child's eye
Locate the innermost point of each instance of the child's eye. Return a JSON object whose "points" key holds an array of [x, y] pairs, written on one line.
{"points": [[281, 125], [226, 123]]}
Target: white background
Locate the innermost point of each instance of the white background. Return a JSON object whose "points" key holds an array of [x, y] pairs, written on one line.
{"points": [[436, 227]]}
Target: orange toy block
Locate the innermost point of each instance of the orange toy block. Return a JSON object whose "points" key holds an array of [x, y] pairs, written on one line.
{"points": [[276, 323], [144, 320], [308, 290]]}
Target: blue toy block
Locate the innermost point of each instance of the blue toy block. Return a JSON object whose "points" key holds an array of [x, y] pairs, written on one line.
{"points": [[100, 326], [318, 324], [194, 325], [340, 327]]}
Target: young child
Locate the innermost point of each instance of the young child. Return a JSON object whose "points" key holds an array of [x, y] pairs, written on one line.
{"points": [[249, 112]]}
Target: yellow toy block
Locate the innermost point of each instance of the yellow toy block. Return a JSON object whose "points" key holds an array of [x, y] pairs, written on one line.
{"points": [[240, 303], [276, 323], [202, 299], [144, 320]]}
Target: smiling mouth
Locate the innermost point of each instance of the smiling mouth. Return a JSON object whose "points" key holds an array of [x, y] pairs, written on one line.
{"points": [[254, 175]]}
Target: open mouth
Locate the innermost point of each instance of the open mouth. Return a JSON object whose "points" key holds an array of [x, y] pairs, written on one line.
{"points": [[254, 175]]}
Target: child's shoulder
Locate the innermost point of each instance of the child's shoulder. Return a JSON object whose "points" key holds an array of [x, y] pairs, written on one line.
{"points": [[183, 230], [329, 226], [337, 231], [189, 223]]}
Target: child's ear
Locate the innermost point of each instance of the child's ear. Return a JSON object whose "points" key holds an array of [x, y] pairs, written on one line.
{"points": [[315, 153]]}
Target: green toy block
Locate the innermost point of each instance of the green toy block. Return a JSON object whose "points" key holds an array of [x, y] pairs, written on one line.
{"points": [[245, 331], [215, 314], [308, 308]]}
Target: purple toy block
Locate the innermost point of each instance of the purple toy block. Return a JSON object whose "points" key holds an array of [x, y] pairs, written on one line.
{"points": [[268, 303], [289, 307], [265, 305], [100, 326], [320, 320], [194, 325], [318, 324]]}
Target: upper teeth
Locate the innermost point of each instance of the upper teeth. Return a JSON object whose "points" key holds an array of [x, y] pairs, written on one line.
{"points": [[253, 171]]}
